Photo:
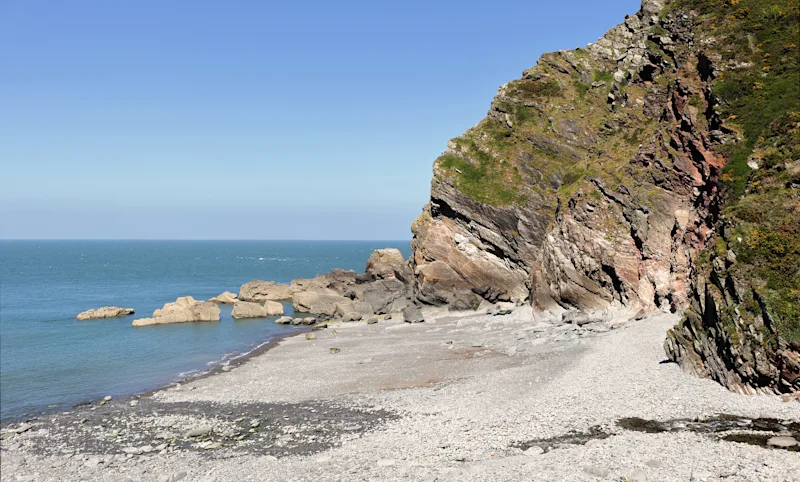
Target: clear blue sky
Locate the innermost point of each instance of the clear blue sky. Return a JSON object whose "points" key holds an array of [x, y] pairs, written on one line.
{"points": [[251, 119]]}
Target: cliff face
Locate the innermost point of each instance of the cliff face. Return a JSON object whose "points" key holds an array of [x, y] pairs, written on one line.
{"points": [[590, 183], [599, 178]]}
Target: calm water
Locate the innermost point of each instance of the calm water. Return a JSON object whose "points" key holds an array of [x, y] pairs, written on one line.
{"points": [[48, 360]]}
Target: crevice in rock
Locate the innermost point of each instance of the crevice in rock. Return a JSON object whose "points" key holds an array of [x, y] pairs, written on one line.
{"points": [[615, 281]]}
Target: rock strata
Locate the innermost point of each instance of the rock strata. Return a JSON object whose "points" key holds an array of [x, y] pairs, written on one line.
{"points": [[183, 310], [104, 312]]}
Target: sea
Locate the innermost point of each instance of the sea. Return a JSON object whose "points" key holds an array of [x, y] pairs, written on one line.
{"points": [[49, 361]]}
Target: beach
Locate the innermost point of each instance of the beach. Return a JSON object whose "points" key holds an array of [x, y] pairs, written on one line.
{"points": [[467, 397]]}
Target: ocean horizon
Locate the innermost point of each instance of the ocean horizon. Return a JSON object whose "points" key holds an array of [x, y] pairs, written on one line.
{"points": [[50, 361]]}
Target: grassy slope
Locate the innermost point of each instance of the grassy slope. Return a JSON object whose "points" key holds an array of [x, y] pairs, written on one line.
{"points": [[761, 101]]}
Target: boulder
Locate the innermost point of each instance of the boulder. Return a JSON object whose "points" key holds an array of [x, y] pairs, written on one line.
{"points": [[581, 318], [226, 298], [387, 296], [361, 307], [351, 316], [388, 263], [321, 301], [273, 308], [104, 312], [258, 290], [183, 310], [248, 309], [284, 320], [412, 314], [338, 280]]}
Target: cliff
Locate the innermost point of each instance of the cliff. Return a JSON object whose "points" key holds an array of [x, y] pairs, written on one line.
{"points": [[607, 178]]}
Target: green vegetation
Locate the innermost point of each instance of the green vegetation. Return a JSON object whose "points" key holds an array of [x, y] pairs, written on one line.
{"points": [[759, 96], [762, 37], [533, 90], [767, 220], [482, 177], [602, 76]]}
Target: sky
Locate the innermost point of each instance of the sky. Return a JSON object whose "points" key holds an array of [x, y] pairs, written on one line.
{"points": [[240, 119]]}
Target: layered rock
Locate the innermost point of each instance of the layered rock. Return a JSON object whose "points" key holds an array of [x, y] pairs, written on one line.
{"points": [[590, 184], [104, 312], [258, 290], [743, 325], [249, 309], [388, 263], [183, 310], [226, 298]]}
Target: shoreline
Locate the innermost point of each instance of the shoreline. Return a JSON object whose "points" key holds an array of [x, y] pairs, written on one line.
{"points": [[504, 397], [218, 368]]}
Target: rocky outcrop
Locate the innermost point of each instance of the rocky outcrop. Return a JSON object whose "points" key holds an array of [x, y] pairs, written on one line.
{"points": [[249, 309], [258, 290], [319, 301], [387, 296], [388, 263], [183, 310], [590, 183], [606, 178], [226, 298], [104, 312], [742, 327]]}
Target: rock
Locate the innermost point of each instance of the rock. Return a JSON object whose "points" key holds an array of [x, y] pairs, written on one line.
{"points": [[273, 308], [247, 309], [638, 475], [412, 314], [104, 312], [372, 320], [183, 310], [581, 318], [21, 428], [360, 307], [351, 316], [334, 350], [311, 336], [173, 477], [701, 476], [364, 278], [107, 398], [226, 298], [309, 320], [284, 320], [258, 290], [534, 450], [783, 442], [320, 301], [386, 462], [388, 263], [199, 431], [387, 296], [596, 471]]}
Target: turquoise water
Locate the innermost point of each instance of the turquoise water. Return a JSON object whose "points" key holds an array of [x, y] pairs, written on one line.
{"points": [[49, 360]]}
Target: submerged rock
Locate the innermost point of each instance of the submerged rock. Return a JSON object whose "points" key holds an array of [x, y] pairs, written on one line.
{"points": [[183, 310], [104, 312]]}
